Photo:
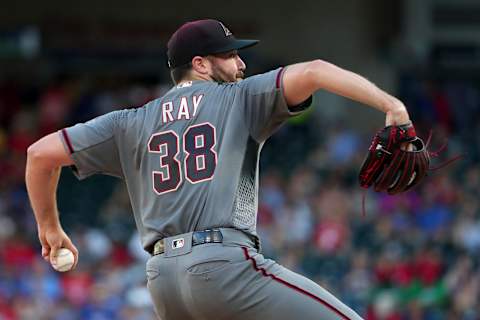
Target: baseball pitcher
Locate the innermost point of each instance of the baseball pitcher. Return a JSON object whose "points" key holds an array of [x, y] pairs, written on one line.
{"points": [[190, 162]]}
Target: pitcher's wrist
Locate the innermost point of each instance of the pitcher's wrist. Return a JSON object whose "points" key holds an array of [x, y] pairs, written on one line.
{"points": [[49, 224]]}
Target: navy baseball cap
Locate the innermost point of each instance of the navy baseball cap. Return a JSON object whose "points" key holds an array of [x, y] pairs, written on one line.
{"points": [[201, 38]]}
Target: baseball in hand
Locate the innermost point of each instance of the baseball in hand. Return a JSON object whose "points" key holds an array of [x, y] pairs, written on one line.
{"points": [[63, 260]]}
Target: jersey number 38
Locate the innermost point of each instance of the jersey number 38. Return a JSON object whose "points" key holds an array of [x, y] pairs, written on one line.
{"points": [[199, 162]]}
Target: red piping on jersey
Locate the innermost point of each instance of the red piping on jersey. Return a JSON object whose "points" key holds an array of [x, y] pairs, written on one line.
{"points": [[292, 286], [67, 140], [279, 78]]}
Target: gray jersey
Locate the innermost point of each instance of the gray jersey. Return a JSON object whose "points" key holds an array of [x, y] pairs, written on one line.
{"points": [[189, 158]]}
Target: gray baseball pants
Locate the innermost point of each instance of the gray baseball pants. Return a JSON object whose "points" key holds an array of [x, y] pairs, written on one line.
{"points": [[232, 281]]}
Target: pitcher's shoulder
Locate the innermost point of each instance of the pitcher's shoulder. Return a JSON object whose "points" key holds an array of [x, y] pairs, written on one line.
{"points": [[129, 117]]}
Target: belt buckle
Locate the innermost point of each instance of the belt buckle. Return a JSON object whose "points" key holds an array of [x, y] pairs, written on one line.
{"points": [[213, 236], [198, 237], [207, 236], [217, 236]]}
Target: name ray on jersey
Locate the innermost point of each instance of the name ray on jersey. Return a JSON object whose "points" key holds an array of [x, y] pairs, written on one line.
{"points": [[182, 109]]}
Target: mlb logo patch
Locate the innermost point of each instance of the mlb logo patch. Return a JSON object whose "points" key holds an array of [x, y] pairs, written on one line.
{"points": [[185, 84], [178, 243]]}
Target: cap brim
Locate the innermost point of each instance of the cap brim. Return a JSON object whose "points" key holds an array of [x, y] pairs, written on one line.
{"points": [[237, 45]]}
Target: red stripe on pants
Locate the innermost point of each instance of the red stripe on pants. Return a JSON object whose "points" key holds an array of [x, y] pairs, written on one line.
{"points": [[292, 286]]}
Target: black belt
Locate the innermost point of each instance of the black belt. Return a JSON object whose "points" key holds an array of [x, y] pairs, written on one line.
{"points": [[198, 237]]}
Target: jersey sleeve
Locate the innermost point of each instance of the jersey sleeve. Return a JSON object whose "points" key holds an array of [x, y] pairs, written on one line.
{"points": [[92, 146], [265, 105]]}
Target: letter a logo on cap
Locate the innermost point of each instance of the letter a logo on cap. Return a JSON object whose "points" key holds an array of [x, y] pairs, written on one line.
{"points": [[227, 32]]}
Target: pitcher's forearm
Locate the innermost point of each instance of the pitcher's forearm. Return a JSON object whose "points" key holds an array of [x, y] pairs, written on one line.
{"points": [[353, 86], [44, 161], [42, 186]]}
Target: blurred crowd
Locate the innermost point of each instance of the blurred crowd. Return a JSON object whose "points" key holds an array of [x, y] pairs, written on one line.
{"points": [[412, 256]]}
